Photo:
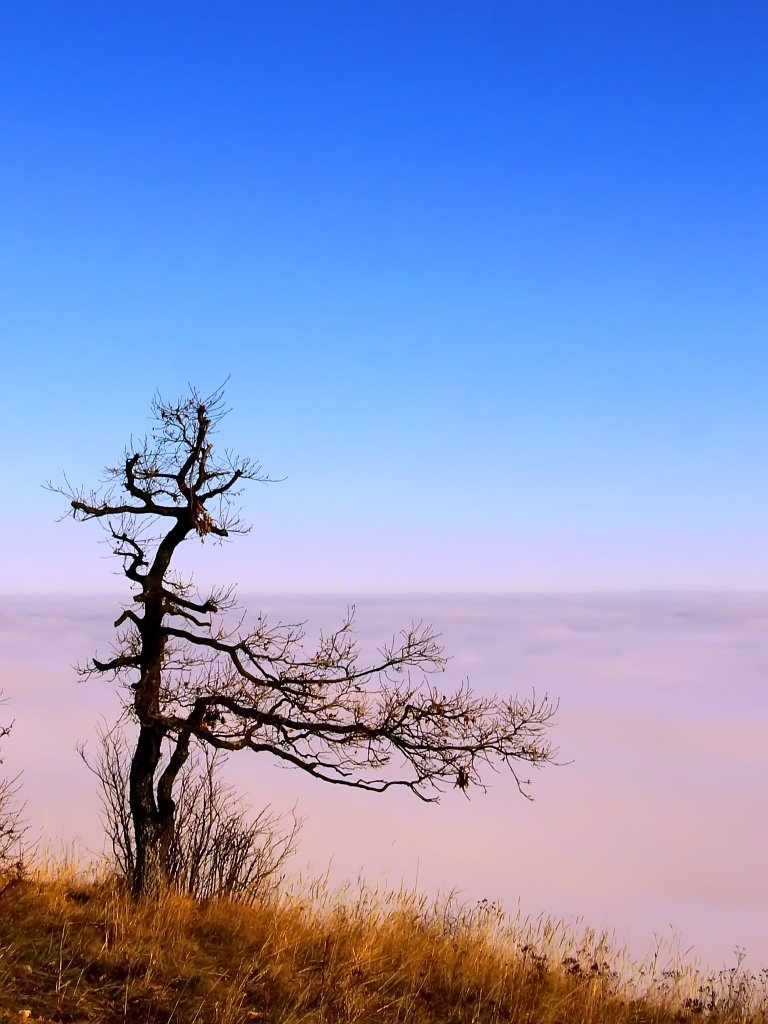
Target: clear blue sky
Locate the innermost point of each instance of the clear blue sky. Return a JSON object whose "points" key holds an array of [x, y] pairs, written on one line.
{"points": [[489, 280]]}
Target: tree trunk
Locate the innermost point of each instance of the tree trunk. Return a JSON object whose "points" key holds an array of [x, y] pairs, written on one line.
{"points": [[153, 829], [153, 808], [153, 840]]}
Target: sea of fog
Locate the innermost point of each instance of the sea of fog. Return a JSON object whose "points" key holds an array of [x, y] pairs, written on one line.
{"points": [[653, 827]]}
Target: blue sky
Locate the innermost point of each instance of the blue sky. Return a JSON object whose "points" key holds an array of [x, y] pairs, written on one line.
{"points": [[489, 281]]}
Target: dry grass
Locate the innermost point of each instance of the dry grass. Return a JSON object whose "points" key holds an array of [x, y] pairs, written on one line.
{"points": [[79, 949]]}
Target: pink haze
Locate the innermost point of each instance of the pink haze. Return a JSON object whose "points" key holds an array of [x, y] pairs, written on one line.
{"points": [[651, 826]]}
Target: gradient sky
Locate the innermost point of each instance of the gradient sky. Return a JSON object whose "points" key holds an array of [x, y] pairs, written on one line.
{"points": [[489, 281]]}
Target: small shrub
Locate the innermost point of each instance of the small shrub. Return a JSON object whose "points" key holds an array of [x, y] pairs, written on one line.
{"points": [[12, 827], [217, 849]]}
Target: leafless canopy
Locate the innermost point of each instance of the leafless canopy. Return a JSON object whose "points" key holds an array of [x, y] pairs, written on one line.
{"points": [[316, 708]]}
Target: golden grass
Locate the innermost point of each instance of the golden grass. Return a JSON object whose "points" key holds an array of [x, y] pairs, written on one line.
{"points": [[77, 949]]}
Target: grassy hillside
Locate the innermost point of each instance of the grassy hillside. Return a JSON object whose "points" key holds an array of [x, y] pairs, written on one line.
{"points": [[75, 949]]}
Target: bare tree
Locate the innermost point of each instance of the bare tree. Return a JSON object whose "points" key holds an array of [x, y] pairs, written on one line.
{"points": [[190, 675], [12, 828], [218, 849]]}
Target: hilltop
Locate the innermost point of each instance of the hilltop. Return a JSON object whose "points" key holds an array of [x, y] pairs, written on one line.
{"points": [[78, 949]]}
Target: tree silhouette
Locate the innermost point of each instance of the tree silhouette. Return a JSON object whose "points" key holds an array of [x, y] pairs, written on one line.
{"points": [[190, 675]]}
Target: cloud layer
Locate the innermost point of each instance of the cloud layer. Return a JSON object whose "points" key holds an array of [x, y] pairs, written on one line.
{"points": [[651, 825]]}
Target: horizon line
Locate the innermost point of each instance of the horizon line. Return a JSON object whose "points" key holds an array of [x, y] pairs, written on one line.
{"points": [[423, 592]]}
